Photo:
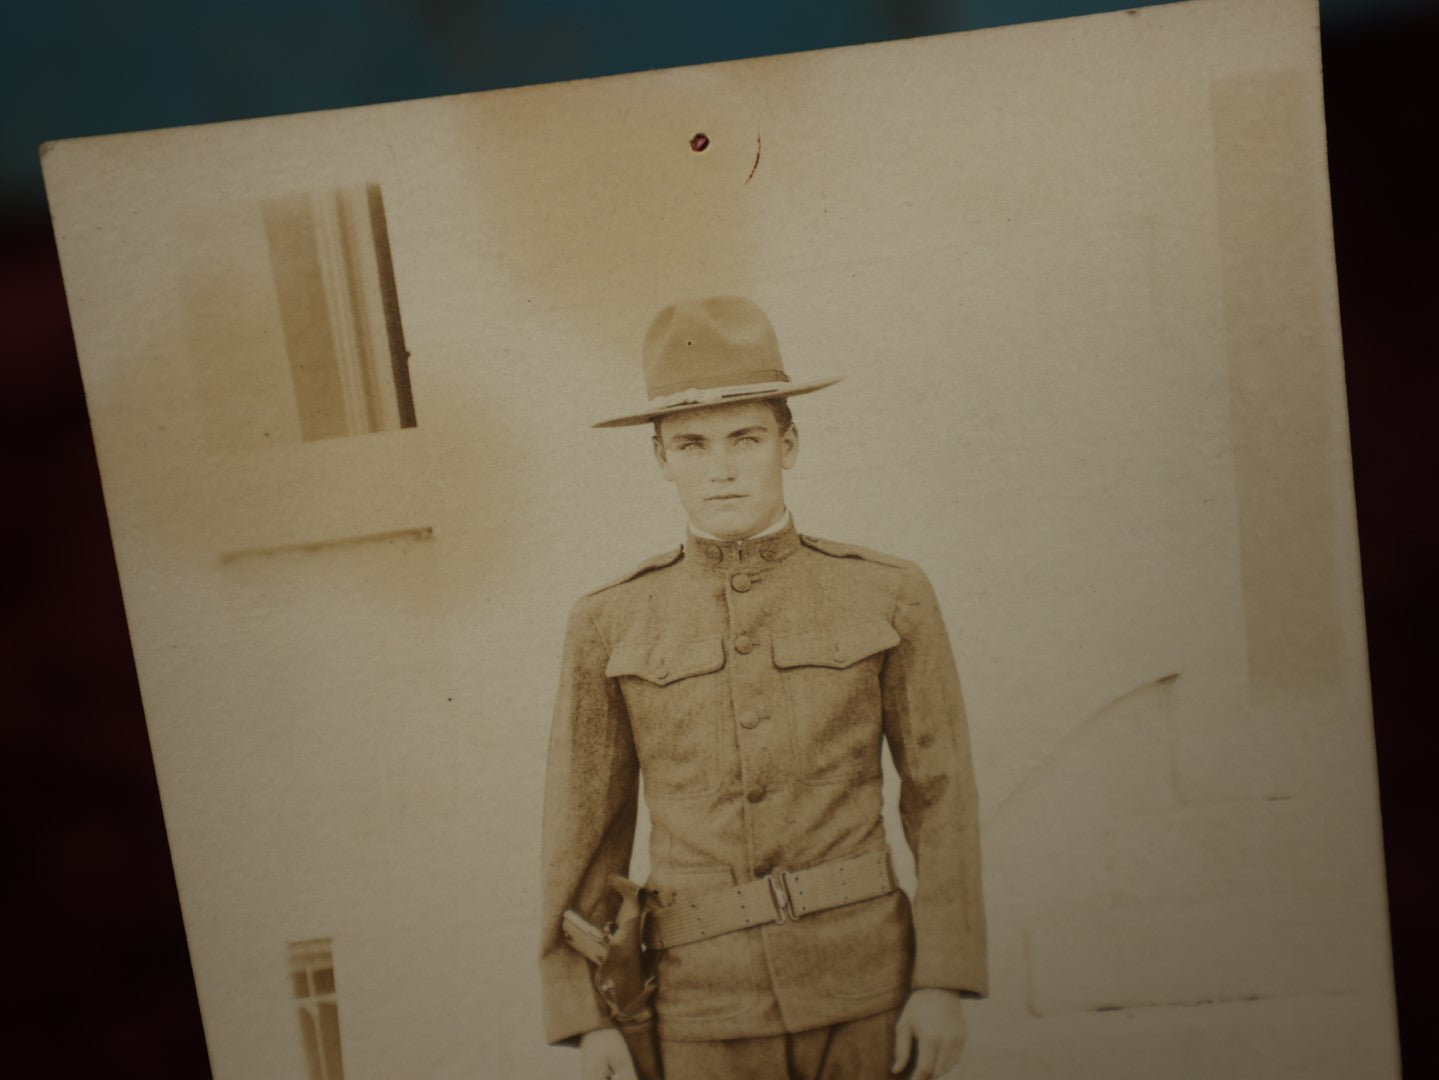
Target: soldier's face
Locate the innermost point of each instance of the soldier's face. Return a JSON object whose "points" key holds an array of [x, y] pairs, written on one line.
{"points": [[727, 464]]}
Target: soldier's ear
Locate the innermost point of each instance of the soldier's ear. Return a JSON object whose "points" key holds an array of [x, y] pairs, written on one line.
{"points": [[658, 446], [789, 446]]}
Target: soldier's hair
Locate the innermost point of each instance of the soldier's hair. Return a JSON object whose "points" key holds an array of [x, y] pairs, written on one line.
{"points": [[782, 416]]}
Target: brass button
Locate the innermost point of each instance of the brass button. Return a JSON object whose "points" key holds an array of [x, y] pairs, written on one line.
{"points": [[768, 552], [662, 672], [713, 553], [839, 654], [750, 721], [741, 582], [743, 644], [757, 795]]}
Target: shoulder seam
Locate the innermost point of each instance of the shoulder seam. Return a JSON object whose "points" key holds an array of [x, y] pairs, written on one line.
{"points": [[836, 550], [656, 562]]}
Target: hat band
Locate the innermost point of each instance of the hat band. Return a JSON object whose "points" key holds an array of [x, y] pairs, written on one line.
{"points": [[764, 375]]}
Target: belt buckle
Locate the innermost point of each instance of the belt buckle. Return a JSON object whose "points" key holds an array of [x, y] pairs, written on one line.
{"points": [[779, 896]]}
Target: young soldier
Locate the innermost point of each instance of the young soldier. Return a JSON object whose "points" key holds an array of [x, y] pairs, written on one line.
{"points": [[749, 677]]}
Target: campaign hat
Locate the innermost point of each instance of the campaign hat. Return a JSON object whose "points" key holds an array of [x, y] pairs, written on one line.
{"points": [[718, 350]]}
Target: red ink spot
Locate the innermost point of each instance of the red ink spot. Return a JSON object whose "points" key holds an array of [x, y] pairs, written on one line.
{"points": [[699, 142]]}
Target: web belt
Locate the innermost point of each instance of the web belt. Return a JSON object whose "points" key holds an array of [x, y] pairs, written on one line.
{"points": [[778, 897]]}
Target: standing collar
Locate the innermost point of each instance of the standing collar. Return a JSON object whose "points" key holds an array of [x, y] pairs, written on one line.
{"points": [[775, 543]]}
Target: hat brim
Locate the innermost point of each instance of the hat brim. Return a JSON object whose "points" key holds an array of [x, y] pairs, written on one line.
{"points": [[689, 401]]}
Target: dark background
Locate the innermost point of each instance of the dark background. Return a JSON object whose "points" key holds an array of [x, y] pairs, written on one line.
{"points": [[97, 979]]}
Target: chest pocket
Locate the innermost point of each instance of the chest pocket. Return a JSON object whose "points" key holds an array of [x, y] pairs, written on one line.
{"points": [[675, 711], [831, 680], [834, 646], [661, 665]]}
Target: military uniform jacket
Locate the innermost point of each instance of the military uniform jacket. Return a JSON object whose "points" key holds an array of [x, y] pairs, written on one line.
{"points": [[751, 683]]}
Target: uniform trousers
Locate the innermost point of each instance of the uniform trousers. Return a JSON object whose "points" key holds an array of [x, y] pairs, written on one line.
{"points": [[855, 1050]]}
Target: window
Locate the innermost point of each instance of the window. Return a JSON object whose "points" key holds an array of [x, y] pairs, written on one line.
{"points": [[312, 977], [330, 256]]}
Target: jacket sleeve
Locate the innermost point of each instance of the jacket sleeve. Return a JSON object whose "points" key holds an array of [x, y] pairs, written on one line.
{"points": [[928, 734], [591, 799]]}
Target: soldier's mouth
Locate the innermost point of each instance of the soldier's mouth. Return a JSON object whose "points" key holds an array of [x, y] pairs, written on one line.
{"points": [[717, 498]]}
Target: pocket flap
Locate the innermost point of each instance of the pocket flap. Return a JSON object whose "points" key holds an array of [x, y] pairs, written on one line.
{"points": [[662, 664], [834, 647]]}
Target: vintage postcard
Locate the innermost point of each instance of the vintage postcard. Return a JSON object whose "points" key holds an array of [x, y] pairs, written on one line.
{"points": [[956, 611]]}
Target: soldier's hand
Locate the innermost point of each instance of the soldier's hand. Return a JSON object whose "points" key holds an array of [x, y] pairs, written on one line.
{"points": [[603, 1054], [931, 1027]]}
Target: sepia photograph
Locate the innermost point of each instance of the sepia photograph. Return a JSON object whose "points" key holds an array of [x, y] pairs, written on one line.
{"points": [[831, 565]]}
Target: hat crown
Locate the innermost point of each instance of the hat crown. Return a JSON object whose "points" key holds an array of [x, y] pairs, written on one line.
{"points": [[715, 342], [716, 351]]}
